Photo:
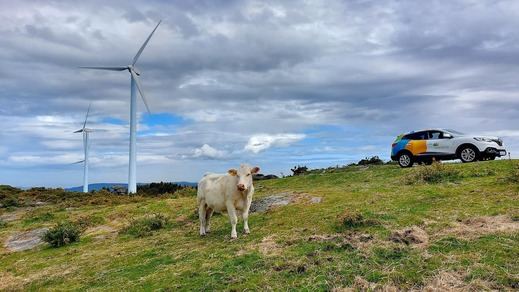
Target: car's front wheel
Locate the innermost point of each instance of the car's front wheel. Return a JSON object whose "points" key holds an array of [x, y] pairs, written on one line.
{"points": [[405, 159], [468, 154]]}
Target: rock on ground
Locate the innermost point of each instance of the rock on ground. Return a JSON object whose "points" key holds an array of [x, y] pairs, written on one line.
{"points": [[263, 204], [25, 240], [8, 217], [282, 199]]}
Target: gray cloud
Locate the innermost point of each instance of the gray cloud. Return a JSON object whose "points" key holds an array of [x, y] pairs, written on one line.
{"points": [[238, 69]]}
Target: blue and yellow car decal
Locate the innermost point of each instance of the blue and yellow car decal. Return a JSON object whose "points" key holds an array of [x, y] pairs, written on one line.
{"points": [[416, 147]]}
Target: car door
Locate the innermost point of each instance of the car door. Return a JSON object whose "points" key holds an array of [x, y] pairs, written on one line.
{"points": [[438, 144], [418, 143]]}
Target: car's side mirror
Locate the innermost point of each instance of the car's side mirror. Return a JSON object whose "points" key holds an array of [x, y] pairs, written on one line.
{"points": [[447, 136]]}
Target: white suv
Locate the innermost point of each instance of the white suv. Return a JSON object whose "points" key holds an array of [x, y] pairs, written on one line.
{"points": [[441, 144]]}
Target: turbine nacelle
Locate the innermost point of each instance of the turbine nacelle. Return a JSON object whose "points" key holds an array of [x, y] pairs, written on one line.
{"points": [[84, 130], [134, 69]]}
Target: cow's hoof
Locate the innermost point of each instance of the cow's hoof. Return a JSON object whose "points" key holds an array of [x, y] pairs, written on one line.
{"points": [[202, 234], [247, 231]]}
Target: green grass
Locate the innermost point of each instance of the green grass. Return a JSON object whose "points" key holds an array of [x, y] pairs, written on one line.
{"points": [[177, 258]]}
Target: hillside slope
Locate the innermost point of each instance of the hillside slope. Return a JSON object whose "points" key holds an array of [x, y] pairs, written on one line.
{"points": [[463, 233]]}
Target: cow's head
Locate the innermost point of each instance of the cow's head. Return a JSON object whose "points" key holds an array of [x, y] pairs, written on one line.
{"points": [[244, 174]]}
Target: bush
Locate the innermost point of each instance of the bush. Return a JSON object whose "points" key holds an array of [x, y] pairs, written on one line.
{"points": [[374, 160], [62, 234], [434, 173], [7, 201], [299, 170], [9, 190], [157, 189], [3, 223], [145, 226]]}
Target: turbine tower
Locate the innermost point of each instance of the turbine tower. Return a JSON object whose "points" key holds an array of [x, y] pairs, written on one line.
{"points": [[135, 84], [85, 132]]}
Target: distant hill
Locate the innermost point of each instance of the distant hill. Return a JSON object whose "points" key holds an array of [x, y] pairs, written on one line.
{"points": [[99, 186]]}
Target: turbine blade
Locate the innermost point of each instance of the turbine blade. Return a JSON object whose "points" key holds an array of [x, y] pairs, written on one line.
{"points": [[144, 45], [118, 68], [78, 162], [79, 131], [138, 83], [86, 117]]}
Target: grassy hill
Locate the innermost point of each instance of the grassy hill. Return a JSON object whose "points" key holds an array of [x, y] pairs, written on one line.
{"points": [[464, 220]]}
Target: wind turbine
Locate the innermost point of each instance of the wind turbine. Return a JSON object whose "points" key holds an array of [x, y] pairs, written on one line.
{"points": [[135, 83], [85, 132]]}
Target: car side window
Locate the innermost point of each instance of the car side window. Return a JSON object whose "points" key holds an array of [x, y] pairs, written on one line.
{"points": [[417, 136], [435, 135]]}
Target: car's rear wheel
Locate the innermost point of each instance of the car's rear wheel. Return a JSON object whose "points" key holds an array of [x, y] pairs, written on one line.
{"points": [[468, 154], [405, 159]]}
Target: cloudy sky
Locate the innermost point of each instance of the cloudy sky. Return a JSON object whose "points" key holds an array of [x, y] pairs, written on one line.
{"points": [[271, 83]]}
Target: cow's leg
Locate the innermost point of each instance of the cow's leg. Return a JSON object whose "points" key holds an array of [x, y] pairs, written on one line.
{"points": [[208, 214], [233, 218], [202, 216], [245, 216]]}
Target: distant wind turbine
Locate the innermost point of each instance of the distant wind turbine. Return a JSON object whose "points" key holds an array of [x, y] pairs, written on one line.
{"points": [[85, 132], [135, 83]]}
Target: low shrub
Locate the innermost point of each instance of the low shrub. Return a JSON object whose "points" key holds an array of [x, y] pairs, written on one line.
{"points": [[299, 170], [435, 173], [374, 160], [3, 223], [7, 201], [62, 234], [145, 226], [158, 189]]}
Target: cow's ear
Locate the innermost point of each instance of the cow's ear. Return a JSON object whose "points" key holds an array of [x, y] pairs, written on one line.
{"points": [[255, 170], [232, 172]]}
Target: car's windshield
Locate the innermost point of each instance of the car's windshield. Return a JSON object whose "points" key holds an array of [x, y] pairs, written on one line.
{"points": [[454, 132]]}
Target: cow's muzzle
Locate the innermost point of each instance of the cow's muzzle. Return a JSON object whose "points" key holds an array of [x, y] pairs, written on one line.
{"points": [[241, 187]]}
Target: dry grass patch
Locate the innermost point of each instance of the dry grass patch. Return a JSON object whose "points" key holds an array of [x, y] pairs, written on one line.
{"points": [[478, 226], [340, 240], [8, 281], [360, 284], [101, 232], [268, 246], [453, 281]]}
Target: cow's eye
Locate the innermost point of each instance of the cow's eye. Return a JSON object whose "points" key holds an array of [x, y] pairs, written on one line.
{"points": [[248, 174]]}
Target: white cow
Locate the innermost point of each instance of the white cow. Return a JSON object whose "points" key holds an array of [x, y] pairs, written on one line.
{"points": [[231, 192]]}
